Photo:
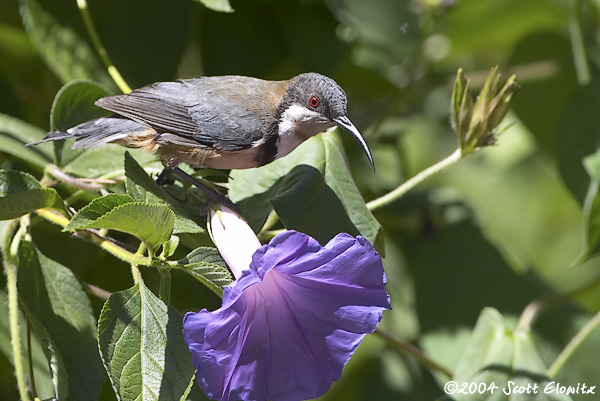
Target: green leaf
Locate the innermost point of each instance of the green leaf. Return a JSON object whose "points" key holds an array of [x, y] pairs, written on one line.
{"points": [[97, 208], [152, 224], [105, 160], [41, 370], [217, 5], [74, 104], [61, 315], [142, 188], [61, 47], [13, 206], [461, 264], [16, 182], [375, 27], [591, 209], [311, 190], [43, 379], [142, 347], [21, 193], [206, 265], [14, 134], [170, 247], [578, 134], [508, 360]]}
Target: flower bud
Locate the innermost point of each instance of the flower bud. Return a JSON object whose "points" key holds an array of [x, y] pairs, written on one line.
{"points": [[475, 121]]}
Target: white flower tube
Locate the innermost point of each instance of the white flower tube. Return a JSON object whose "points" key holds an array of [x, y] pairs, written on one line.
{"points": [[233, 237]]}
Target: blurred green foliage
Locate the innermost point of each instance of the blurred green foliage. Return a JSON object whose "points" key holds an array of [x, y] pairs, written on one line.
{"points": [[503, 227]]}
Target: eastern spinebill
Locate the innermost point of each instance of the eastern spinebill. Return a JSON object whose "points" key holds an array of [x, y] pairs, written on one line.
{"points": [[223, 122]]}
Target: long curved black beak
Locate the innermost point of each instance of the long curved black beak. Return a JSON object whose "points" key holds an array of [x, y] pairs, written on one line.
{"points": [[345, 123]]}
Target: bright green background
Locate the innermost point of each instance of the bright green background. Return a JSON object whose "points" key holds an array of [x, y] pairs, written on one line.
{"points": [[499, 229]]}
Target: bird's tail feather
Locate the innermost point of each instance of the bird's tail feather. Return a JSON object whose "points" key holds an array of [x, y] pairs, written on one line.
{"points": [[97, 132], [51, 136]]}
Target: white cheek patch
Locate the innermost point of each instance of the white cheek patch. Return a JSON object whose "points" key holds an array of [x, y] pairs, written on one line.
{"points": [[297, 124], [297, 115]]}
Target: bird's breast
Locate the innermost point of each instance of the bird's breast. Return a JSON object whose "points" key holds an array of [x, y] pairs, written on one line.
{"points": [[172, 155]]}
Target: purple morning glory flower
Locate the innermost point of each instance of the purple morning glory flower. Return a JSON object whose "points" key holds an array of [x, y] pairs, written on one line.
{"points": [[291, 321]]}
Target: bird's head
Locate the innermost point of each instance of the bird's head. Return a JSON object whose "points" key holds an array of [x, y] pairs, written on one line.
{"points": [[312, 103]]}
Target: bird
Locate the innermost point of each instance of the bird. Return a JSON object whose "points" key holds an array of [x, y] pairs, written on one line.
{"points": [[221, 122]]}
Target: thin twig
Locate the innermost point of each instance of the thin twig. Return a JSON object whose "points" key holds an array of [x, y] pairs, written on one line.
{"points": [[10, 270], [95, 237], [88, 184], [573, 345], [414, 181], [578, 45], [535, 307], [97, 291], [414, 351], [89, 25]]}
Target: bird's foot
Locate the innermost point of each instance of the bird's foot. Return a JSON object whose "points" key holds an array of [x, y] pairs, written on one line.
{"points": [[165, 177]]}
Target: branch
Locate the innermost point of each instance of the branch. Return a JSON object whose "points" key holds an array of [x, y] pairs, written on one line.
{"points": [[414, 181], [414, 351], [89, 25]]}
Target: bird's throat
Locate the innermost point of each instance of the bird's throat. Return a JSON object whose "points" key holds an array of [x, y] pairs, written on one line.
{"points": [[296, 125]]}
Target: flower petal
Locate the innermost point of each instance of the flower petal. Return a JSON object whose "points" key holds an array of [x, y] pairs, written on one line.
{"points": [[284, 250], [344, 259]]}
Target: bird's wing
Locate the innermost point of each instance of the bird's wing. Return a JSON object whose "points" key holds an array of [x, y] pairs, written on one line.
{"points": [[200, 110]]}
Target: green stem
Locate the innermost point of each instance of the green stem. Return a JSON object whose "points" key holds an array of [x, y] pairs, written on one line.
{"points": [[535, 307], [414, 351], [573, 345], [117, 251], [272, 219], [13, 312], [266, 236], [89, 25], [57, 173], [533, 310], [135, 272], [133, 259], [95, 237], [137, 275], [10, 269], [414, 181], [96, 291], [75, 196], [578, 44], [108, 178]]}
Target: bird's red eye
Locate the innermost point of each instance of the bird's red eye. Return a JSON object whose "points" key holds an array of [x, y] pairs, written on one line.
{"points": [[313, 101]]}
